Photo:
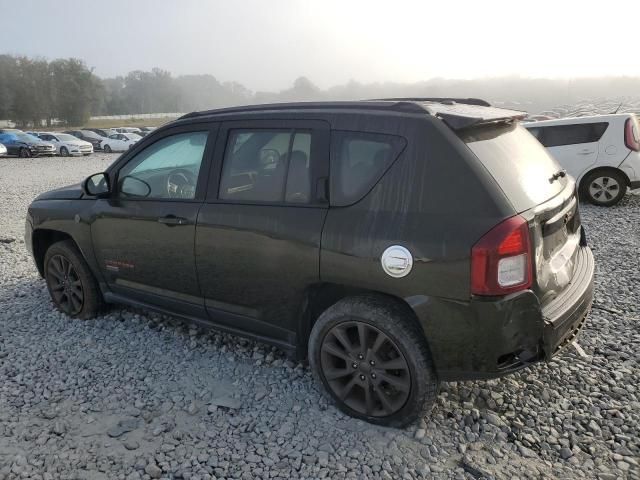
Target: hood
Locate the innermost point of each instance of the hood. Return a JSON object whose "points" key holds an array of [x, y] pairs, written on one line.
{"points": [[78, 143], [70, 192]]}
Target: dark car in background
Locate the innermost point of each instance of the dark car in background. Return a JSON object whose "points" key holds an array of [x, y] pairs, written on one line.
{"points": [[395, 244], [88, 136], [144, 131], [102, 132], [24, 145]]}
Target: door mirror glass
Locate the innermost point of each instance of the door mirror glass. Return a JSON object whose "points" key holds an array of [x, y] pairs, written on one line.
{"points": [[134, 187], [97, 185]]}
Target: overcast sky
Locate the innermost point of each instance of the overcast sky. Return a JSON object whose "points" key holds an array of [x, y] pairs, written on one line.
{"points": [[267, 44]]}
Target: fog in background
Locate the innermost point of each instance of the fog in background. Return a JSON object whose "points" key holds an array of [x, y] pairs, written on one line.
{"points": [[147, 56]]}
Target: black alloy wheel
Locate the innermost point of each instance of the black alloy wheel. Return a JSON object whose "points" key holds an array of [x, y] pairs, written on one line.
{"points": [[365, 369], [65, 285], [372, 358]]}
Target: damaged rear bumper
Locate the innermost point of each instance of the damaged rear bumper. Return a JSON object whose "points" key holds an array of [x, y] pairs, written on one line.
{"points": [[566, 314], [491, 337]]}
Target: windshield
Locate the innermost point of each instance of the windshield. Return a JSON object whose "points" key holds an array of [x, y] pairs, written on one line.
{"points": [[65, 137], [518, 162]]}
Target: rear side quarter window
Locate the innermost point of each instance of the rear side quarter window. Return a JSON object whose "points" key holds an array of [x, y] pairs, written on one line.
{"points": [[358, 161], [560, 135]]}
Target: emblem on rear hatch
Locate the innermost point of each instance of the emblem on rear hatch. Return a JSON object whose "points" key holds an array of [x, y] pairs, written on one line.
{"points": [[396, 261]]}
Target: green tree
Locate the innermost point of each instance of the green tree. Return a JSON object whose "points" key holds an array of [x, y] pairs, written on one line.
{"points": [[74, 90]]}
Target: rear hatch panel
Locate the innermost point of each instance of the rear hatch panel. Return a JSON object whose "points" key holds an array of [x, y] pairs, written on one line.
{"points": [[547, 199], [556, 234]]}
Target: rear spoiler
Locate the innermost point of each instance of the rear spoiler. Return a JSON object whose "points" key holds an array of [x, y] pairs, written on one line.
{"points": [[460, 113], [449, 100], [458, 117]]}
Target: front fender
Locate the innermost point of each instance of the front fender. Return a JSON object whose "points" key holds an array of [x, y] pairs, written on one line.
{"points": [[49, 220]]}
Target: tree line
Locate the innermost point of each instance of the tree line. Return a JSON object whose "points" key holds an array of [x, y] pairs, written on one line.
{"points": [[34, 92]]}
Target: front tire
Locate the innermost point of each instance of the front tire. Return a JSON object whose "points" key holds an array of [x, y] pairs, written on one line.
{"points": [[24, 153], [64, 152], [604, 188], [107, 149], [373, 361], [73, 288]]}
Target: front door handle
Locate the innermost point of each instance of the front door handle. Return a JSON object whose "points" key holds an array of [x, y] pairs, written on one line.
{"points": [[172, 220]]}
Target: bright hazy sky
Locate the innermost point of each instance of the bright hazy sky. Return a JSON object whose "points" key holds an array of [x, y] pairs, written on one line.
{"points": [[267, 44]]}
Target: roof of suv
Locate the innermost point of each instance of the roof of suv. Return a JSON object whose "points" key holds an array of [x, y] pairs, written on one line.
{"points": [[457, 113]]}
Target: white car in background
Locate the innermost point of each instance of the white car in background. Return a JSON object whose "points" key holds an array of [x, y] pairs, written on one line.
{"points": [[119, 142], [127, 130], [601, 152], [3, 150], [66, 144]]}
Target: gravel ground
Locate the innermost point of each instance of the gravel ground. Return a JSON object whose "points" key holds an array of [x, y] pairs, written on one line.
{"points": [[136, 395]]}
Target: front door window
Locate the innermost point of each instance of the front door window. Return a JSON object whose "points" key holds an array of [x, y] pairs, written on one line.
{"points": [[167, 169]]}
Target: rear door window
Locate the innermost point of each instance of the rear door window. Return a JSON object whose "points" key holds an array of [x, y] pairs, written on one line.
{"points": [[265, 165], [519, 164], [559, 135], [358, 161]]}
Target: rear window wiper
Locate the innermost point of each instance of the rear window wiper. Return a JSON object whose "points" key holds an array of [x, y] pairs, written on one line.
{"points": [[559, 174]]}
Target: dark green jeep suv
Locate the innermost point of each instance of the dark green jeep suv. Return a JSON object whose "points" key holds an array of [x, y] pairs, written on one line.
{"points": [[394, 243]]}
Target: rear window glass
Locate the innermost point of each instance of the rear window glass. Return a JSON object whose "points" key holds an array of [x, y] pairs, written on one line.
{"points": [[358, 160], [517, 161], [559, 135]]}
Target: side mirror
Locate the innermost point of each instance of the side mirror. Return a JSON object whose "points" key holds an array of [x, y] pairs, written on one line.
{"points": [[97, 185]]}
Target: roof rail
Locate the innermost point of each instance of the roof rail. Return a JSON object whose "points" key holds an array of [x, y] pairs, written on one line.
{"points": [[466, 101], [401, 105]]}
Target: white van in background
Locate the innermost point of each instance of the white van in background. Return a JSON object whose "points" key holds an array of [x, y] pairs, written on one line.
{"points": [[601, 152]]}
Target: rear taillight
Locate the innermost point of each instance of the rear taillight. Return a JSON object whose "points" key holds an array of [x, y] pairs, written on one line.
{"points": [[631, 139], [501, 259]]}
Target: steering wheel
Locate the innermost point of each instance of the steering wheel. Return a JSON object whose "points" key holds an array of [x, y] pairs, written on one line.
{"points": [[181, 183]]}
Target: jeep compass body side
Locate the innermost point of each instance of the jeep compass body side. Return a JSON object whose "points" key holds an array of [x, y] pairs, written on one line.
{"points": [[393, 243]]}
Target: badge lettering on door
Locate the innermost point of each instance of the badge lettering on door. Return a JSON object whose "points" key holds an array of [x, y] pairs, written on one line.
{"points": [[116, 265]]}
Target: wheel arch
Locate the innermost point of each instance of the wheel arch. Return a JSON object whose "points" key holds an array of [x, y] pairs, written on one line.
{"points": [[42, 239], [323, 295], [603, 169]]}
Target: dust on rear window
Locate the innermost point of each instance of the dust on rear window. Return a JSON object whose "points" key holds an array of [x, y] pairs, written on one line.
{"points": [[518, 162]]}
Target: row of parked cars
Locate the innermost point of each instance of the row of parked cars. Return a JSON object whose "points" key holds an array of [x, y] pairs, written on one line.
{"points": [[69, 143], [601, 152]]}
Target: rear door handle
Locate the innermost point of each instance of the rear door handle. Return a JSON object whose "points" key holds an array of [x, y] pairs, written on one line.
{"points": [[585, 152], [171, 220]]}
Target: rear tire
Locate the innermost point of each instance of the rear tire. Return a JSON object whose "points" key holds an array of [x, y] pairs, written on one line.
{"points": [[373, 361], [107, 149], [604, 188], [73, 288]]}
